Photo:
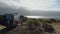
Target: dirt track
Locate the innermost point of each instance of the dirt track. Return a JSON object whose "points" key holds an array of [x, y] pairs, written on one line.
{"points": [[56, 27]]}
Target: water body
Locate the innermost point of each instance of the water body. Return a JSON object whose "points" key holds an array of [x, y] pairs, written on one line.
{"points": [[56, 17]]}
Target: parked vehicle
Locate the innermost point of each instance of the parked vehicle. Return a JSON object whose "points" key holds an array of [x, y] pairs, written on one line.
{"points": [[7, 20]]}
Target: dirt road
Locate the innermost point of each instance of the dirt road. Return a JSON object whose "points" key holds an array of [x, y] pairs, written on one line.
{"points": [[56, 27]]}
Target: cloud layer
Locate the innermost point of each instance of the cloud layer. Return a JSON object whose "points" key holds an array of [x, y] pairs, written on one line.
{"points": [[40, 4], [10, 3], [30, 7], [45, 5]]}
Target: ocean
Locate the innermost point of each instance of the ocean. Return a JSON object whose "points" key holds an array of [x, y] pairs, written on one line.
{"points": [[43, 16]]}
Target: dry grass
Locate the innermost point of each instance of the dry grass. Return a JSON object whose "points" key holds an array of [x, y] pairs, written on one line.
{"points": [[56, 27]]}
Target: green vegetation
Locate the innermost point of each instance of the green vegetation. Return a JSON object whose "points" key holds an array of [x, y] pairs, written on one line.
{"points": [[23, 18], [37, 21], [33, 20]]}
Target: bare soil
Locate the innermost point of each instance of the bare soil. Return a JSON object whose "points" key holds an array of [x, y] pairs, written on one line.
{"points": [[56, 27]]}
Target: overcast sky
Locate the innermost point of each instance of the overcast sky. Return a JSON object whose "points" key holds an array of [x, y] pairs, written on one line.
{"points": [[31, 7], [33, 4]]}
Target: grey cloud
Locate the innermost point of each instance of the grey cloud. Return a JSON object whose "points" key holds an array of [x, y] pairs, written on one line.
{"points": [[45, 13], [6, 9]]}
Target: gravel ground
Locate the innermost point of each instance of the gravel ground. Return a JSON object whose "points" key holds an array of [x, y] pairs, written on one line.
{"points": [[21, 30], [24, 30], [17, 30]]}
